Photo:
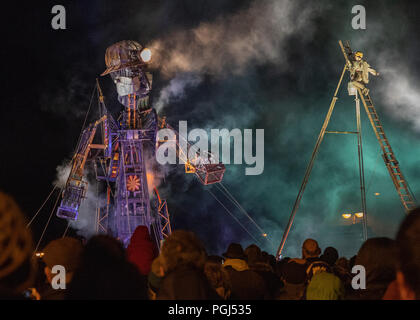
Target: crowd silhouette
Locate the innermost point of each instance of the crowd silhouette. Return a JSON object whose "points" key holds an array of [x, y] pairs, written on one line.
{"points": [[103, 269]]}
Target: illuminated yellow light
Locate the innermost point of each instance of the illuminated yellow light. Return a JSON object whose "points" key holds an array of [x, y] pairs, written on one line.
{"points": [[346, 215], [359, 214], [377, 193], [39, 254], [146, 55], [264, 234]]}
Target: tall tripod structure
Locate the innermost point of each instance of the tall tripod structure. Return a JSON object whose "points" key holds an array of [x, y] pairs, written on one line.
{"points": [[400, 183]]}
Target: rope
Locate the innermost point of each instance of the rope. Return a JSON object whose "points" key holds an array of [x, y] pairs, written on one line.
{"points": [[33, 218], [238, 205], [236, 219], [65, 231], [48, 222], [241, 208], [86, 116], [77, 146]]}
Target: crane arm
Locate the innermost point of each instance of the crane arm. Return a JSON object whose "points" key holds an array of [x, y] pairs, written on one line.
{"points": [[75, 189]]}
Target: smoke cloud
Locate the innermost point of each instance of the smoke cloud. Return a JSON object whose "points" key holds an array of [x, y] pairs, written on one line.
{"points": [[401, 93], [62, 173], [176, 89], [230, 44]]}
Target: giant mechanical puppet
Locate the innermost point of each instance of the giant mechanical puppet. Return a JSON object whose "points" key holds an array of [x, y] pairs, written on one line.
{"points": [[122, 158]]}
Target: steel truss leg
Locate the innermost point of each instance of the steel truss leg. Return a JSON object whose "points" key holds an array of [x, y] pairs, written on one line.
{"points": [[361, 167], [310, 165]]}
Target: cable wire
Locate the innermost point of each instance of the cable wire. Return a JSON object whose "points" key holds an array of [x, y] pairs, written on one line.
{"points": [[236, 219], [230, 197], [33, 218], [48, 222], [240, 207]]}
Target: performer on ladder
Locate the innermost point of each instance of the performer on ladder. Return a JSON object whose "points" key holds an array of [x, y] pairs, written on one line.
{"points": [[359, 72]]}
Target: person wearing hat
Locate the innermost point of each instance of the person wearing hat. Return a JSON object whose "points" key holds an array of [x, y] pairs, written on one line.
{"points": [[261, 266], [246, 284], [359, 72], [65, 252]]}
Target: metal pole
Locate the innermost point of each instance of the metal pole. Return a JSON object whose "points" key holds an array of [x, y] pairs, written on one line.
{"points": [[310, 165], [361, 166]]}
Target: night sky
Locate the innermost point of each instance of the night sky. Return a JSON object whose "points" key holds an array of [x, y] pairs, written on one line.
{"points": [[269, 65]]}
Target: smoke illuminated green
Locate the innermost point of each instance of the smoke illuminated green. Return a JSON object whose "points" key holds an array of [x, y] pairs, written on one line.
{"points": [[291, 104]]}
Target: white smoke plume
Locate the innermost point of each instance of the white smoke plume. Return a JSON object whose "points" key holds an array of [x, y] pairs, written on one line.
{"points": [[85, 225], [397, 84], [230, 44], [401, 92], [63, 171], [176, 88]]}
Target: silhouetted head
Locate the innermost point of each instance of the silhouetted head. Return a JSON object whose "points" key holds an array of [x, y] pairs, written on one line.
{"points": [[182, 248], [330, 255], [310, 249], [235, 251], [408, 263], [378, 257]]}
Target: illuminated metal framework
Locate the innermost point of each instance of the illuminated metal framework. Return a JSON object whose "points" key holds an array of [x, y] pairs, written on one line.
{"points": [[400, 183], [120, 161], [126, 151]]}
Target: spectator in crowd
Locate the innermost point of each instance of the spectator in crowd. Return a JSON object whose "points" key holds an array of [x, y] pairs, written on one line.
{"points": [[352, 261], [293, 274], [65, 252], [378, 256], [105, 273], [342, 270], [183, 257], [408, 261], [314, 264], [246, 284], [263, 267], [141, 250], [298, 272], [325, 286], [330, 256], [218, 276], [17, 268], [154, 279]]}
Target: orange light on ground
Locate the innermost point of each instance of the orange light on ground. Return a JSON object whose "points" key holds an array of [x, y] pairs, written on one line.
{"points": [[346, 215]]}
